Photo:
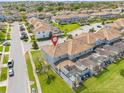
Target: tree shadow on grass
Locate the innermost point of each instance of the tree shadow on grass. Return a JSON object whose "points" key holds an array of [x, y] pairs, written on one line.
{"points": [[101, 73], [50, 78], [80, 88]]}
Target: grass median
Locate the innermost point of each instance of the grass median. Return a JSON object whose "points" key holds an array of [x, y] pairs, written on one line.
{"points": [[5, 59], [3, 89], [3, 75], [30, 72]]}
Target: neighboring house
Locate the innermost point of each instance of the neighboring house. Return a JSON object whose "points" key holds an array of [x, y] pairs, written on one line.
{"points": [[103, 15], [118, 24], [68, 18], [41, 28]]}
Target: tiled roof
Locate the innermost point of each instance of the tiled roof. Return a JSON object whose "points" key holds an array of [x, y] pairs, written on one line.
{"points": [[39, 25], [110, 33], [81, 43], [70, 47]]}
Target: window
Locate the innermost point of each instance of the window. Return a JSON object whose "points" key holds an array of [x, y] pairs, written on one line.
{"points": [[43, 35]]}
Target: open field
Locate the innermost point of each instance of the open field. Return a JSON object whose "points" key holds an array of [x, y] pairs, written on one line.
{"points": [[56, 84]]}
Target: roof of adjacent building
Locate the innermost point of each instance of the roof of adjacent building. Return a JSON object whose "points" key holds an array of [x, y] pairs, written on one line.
{"points": [[39, 25], [81, 43], [70, 47], [110, 33]]}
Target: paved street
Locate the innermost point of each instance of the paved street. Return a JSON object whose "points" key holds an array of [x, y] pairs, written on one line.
{"points": [[18, 83]]}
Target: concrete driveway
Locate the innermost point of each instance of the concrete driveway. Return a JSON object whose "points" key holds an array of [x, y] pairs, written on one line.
{"points": [[18, 83]]}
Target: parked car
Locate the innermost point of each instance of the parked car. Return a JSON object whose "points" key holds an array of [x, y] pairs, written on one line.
{"points": [[99, 26], [11, 72], [10, 63], [22, 28]]}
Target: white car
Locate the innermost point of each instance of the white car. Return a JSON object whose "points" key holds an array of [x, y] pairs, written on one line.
{"points": [[10, 63], [11, 72]]}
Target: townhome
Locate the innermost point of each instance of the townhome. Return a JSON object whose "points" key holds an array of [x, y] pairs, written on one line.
{"points": [[41, 28], [69, 18], [100, 60], [103, 15], [94, 68], [70, 72], [70, 49], [111, 35], [118, 24], [85, 55]]}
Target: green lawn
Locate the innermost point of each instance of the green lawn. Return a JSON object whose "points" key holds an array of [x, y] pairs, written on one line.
{"points": [[109, 81], [2, 89], [1, 48], [3, 75], [5, 59], [57, 85], [67, 28], [30, 71], [7, 48], [8, 37]]}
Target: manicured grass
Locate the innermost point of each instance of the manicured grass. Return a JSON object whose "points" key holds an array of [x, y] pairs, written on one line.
{"points": [[108, 82], [1, 48], [3, 75], [8, 37], [67, 28], [2, 89], [30, 71], [7, 48], [5, 59], [56, 85]]}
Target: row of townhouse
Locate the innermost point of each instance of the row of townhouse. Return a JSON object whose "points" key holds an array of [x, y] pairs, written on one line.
{"points": [[85, 55], [118, 24], [76, 17], [75, 72], [41, 29]]}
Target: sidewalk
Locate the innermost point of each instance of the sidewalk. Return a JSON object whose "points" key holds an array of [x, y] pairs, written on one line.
{"points": [[35, 74], [3, 83]]}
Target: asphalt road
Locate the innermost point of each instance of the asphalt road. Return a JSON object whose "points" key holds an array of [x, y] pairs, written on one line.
{"points": [[18, 83]]}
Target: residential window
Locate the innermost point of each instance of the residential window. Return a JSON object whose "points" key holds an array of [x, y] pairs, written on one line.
{"points": [[43, 35]]}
